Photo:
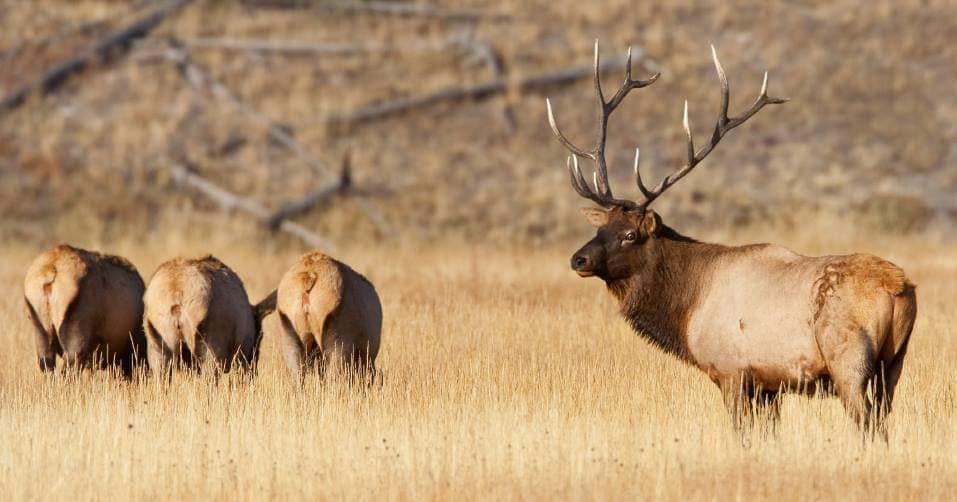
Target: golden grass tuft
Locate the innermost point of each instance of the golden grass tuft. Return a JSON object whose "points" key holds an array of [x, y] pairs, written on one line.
{"points": [[504, 377]]}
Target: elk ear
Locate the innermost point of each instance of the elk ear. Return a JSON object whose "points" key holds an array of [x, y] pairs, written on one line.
{"points": [[650, 223], [596, 216]]}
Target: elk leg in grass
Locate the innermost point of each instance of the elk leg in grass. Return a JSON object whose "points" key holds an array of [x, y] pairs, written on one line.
{"points": [[293, 351], [770, 403], [78, 348], [47, 345], [158, 354]]}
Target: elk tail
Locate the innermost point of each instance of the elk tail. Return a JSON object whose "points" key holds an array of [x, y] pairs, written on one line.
{"points": [[902, 324], [320, 302], [265, 307]]}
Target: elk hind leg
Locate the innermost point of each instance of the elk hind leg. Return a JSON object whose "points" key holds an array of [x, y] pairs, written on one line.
{"points": [[76, 341], [135, 356], [853, 373], [47, 344], [892, 355], [294, 352], [158, 354]]}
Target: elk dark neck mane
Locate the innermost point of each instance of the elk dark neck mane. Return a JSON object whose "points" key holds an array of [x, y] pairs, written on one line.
{"points": [[657, 301]]}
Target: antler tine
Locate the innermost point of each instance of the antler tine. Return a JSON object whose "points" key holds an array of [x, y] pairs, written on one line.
{"points": [[628, 85], [561, 137], [722, 126], [684, 123], [725, 87], [641, 185], [598, 93]]}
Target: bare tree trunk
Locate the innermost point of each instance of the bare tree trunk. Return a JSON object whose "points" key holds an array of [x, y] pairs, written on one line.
{"points": [[310, 49], [230, 201], [103, 48], [200, 79]]}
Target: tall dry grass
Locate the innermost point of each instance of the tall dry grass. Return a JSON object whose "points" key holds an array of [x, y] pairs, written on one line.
{"points": [[504, 377]]}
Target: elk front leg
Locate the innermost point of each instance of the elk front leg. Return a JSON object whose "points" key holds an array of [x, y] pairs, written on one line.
{"points": [[738, 399], [768, 405]]}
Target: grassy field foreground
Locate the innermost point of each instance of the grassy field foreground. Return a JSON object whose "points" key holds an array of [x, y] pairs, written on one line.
{"points": [[505, 376]]}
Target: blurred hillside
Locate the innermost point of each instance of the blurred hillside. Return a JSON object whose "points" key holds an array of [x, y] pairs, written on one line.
{"points": [[870, 133]]}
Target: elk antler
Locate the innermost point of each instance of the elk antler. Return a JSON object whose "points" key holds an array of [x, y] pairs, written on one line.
{"points": [[602, 194]]}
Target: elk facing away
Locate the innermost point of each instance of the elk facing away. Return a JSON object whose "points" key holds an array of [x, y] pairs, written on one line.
{"points": [[199, 306], [328, 312], [86, 307], [757, 319]]}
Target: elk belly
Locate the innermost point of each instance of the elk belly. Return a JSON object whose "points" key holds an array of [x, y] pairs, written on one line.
{"points": [[782, 356], [774, 345]]}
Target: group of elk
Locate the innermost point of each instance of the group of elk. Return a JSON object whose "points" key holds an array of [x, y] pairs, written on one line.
{"points": [[94, 309], [758, 319]]}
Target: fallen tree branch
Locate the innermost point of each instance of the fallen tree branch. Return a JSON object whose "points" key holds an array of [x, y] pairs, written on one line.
{"points": [[103, 48], [304, 48], [200, 79], [483, 90], [317, 197], [230, 201], [413, 10]]}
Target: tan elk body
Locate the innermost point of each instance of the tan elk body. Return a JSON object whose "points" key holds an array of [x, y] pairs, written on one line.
{"points": [[757, 319], [85, 307], [328, 312], [198, 308]]}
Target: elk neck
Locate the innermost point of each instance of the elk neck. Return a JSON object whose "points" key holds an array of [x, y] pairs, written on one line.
{"points": [[658, 299]]}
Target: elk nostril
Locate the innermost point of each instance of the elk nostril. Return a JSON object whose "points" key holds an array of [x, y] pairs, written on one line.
{"points": [[579, 262]]}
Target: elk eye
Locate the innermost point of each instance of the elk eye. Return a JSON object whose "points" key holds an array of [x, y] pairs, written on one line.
{"points": [[630, 236]]}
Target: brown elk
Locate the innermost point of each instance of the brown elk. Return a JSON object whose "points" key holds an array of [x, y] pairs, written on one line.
{"points": [[758, 319], [328, 312], [197, 306], [85, 307]]}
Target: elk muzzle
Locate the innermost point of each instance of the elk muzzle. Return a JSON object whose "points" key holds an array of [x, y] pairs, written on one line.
{"points": [[588, 260]]}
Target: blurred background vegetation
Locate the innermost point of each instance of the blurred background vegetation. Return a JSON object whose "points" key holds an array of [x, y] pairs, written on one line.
{"points": [[255, 97]]}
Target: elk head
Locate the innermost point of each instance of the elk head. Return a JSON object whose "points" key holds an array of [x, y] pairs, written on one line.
{"points": [[627, 229]]}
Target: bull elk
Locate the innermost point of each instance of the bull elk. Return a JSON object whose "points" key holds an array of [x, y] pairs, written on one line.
{"points": [[85, 307], [758, 319], [330, 313], [195, 308]]}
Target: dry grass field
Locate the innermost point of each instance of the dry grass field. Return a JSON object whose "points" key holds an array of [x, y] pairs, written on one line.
{"points": [[504, 377]]}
